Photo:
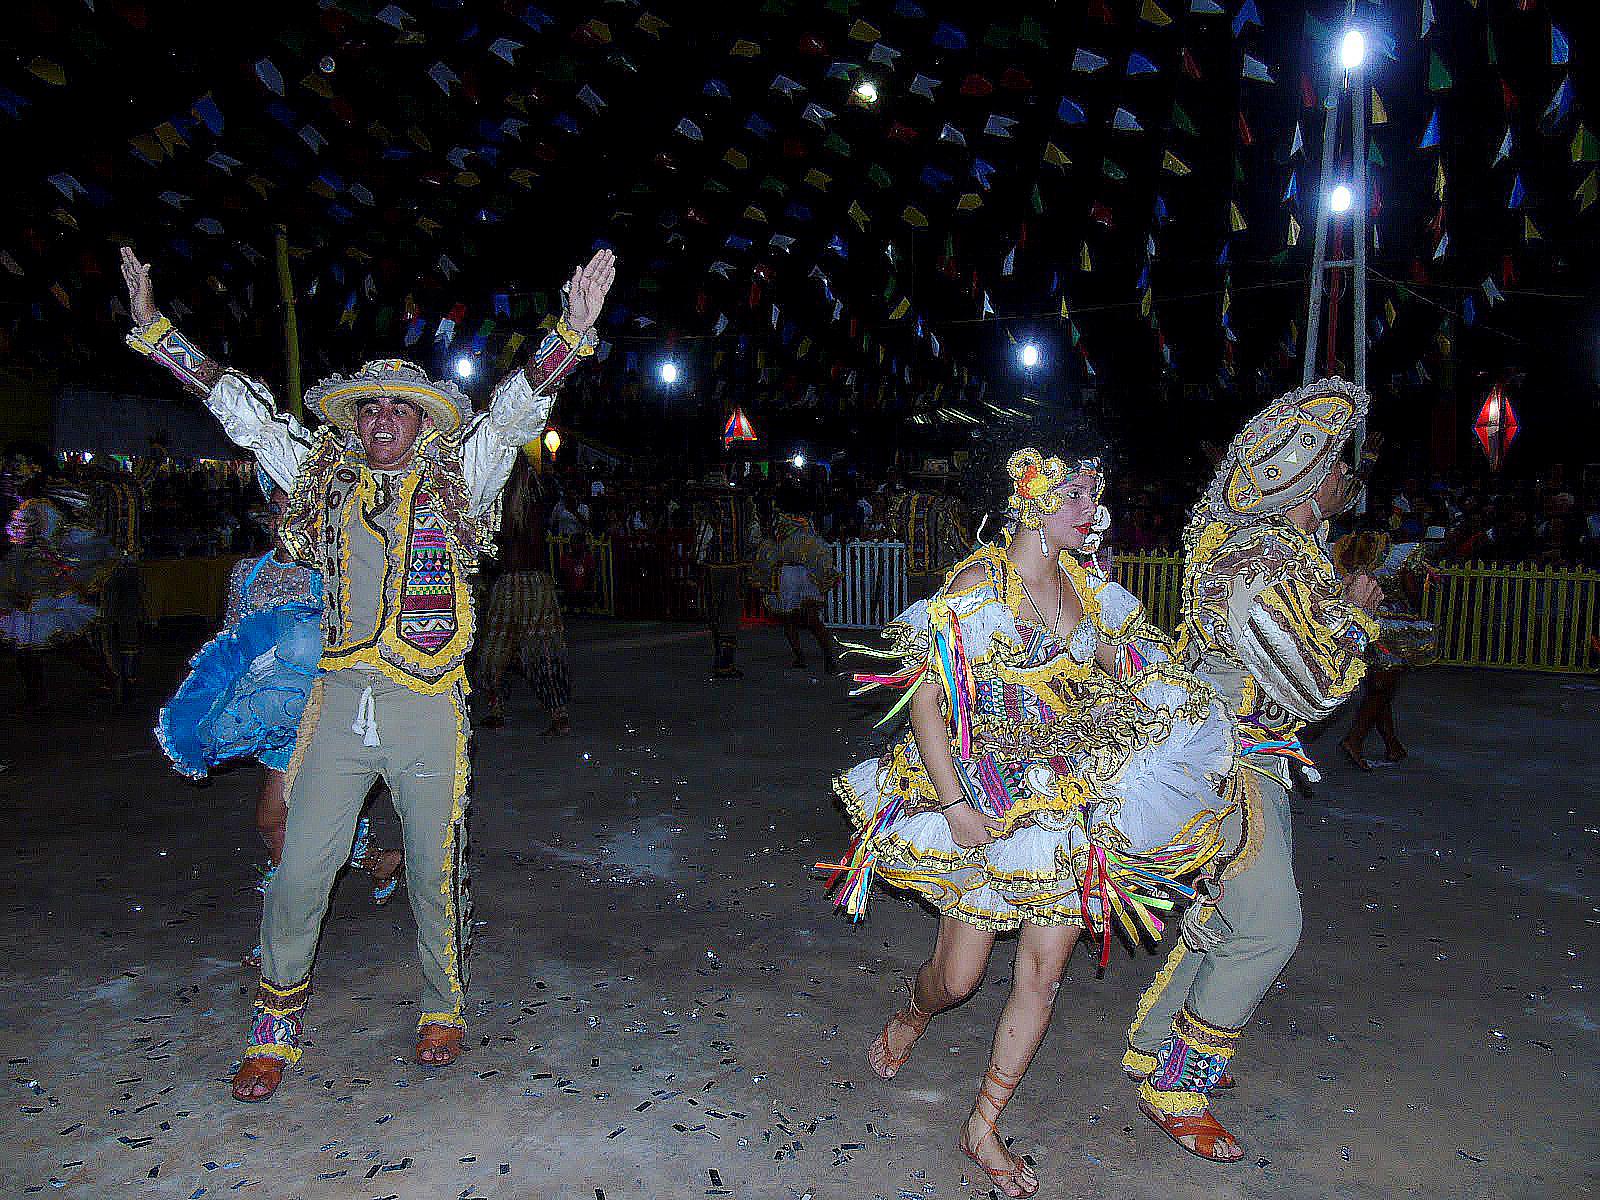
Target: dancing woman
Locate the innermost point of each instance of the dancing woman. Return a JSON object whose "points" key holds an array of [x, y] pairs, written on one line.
{"points": [[247, 687], [1059, 774]]}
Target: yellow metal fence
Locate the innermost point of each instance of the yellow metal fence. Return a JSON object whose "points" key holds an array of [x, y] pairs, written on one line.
{"points": [[1521, 616], [1518, 616]]}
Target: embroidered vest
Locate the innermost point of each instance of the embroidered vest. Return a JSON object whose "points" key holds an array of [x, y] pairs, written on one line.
{"points": [[395, 553]]}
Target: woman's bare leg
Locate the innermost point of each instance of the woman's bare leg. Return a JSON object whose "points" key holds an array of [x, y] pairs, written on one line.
{"points": [[1366, 717], [1042, 955], [811, 614], [791, 631], [951, 974], [1385, 684], [272, 811]]}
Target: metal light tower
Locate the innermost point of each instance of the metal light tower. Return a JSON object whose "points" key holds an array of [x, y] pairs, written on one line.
{"points": [[1335, 198]]}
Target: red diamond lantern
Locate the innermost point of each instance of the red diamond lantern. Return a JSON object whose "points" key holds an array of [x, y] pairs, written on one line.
{"points": [[1496, 427], [738, 429]]}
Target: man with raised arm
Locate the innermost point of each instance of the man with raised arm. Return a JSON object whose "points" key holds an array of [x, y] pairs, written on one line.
{"points": [[393, 499]]}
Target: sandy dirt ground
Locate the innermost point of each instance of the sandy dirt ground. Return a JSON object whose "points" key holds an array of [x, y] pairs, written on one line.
{"points": [[662, 1003]]}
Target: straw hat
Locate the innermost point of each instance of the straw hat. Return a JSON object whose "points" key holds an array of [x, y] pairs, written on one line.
{"points": [[335, 399]]}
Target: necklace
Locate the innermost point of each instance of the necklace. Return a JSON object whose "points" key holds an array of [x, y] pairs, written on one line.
{"points": [[1061, 595]]}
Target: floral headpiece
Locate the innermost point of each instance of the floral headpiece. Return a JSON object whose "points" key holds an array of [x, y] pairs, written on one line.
{"points": [[1035, 479]]}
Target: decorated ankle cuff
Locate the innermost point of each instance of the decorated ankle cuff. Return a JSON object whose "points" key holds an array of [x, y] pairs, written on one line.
{"points": [[448, 1020], [1138, 1062], [1189, 1065], [274, 1036]]}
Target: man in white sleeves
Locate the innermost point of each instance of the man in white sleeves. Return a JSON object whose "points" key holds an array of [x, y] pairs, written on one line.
{"points": [[393, 500]]}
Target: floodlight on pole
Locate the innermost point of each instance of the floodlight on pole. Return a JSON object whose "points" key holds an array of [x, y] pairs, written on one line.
{"points": [[1030, 356], [465, 368], [867, 92], [669, 372], [1352, 50], [1340, 200], [799, 460]]}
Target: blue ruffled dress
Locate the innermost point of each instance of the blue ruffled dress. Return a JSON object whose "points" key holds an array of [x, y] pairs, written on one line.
{"points": [[248, 686]]}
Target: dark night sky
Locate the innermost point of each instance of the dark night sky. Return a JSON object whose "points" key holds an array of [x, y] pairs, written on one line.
{"points": [[385, 183]]}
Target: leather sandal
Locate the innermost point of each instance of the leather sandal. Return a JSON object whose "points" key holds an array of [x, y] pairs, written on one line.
{"points": [[914, 1019], [257, 1070], [998, 1176], [1354, 757], [1204, 1128], [446, 1038]]}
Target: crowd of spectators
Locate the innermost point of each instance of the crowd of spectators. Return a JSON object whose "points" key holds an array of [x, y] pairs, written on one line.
{"points": [[1548, 518], [1545, 519]]}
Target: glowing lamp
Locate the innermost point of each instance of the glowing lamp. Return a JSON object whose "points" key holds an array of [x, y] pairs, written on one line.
{"points": [[1030, 356], [867, 92], [1340, 198], [1352, 50], [552, 441], [465, 368], [669, 372], [799, 460]]}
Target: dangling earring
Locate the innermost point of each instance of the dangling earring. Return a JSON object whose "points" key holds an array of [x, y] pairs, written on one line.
{"points": [[1044, 546]]}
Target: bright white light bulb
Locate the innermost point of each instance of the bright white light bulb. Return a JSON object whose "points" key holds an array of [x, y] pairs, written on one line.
{"points": [[1030, 355], [799, 460], [1340, 198], [669, 372], [465, 368], [867, 92], [1352, 50]]}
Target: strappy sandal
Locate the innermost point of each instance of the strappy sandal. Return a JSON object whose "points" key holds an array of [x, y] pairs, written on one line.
{"points": [[914, 1019], [1358, 761], [1204, 1128], [446, 1038], [384, 885], [998, 1176], [257, 1070]]}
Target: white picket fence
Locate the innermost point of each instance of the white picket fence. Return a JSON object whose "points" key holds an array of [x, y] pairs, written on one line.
{"points": [[872, 590]]}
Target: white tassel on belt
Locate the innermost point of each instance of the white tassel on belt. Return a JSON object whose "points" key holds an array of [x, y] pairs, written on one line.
{"points": [[366, 723]]}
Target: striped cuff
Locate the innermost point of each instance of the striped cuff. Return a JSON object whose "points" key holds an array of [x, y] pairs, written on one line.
{"points": [[160, 341]]}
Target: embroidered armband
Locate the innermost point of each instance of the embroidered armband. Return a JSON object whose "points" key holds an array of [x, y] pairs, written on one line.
{"points": [[583, 343], [556, 356], [160, 340]]}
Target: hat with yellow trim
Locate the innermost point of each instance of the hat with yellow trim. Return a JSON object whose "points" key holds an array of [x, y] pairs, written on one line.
{"points": [[1282, 455], [335, 399]]}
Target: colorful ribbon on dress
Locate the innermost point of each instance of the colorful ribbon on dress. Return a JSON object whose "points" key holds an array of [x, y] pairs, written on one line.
{"points": [[859, 863], [1128, 886]]}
